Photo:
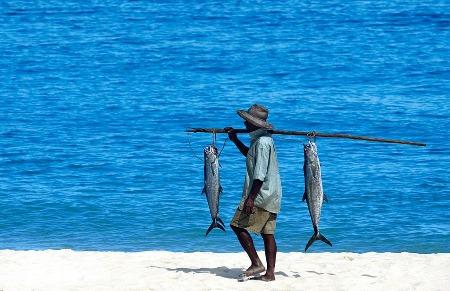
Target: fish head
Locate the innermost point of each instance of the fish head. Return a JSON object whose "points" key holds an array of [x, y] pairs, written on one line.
{"points": [[310, 150], [210, 151]]}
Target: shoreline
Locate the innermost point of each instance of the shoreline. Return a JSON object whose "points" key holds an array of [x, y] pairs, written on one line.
{"points": [[162, 270]]}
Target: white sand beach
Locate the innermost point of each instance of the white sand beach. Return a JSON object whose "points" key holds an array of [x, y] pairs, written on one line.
{"points": [[159, 270]]}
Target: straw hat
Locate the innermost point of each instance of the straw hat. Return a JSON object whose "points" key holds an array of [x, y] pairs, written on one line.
{"points": [[256, 115]]}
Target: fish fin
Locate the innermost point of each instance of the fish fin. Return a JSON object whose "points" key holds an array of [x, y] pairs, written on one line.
{"points": [[325, 198], [204, 190], [220, 189], [317, 236], [305, 197], [214, 224]]}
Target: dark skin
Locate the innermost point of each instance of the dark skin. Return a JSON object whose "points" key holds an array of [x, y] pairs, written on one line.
{"points": [[242, 234]]}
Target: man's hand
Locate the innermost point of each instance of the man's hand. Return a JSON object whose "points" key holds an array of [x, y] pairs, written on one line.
{"points": [[231, 133], [248, 205], [249, 201], [233, 137]]}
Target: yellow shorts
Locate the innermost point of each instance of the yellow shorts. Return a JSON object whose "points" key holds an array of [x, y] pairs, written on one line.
{"points": [[260, 221]]}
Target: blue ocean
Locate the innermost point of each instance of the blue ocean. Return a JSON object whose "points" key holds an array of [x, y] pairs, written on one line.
{"points": [[96, 97]]}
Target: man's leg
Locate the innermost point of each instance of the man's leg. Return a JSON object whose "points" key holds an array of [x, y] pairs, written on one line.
{"points": [[270, 247], [247, 244]]}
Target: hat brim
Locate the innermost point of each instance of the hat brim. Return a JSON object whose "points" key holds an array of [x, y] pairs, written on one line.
{"points": [[253, 120]]}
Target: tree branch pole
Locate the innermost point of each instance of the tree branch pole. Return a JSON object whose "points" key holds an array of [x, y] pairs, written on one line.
{"points": [[311, 133]]}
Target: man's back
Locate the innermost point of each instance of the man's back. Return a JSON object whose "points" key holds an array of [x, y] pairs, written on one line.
{"points": [[262, 164]]}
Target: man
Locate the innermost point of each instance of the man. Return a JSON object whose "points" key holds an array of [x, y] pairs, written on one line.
{"points": [[261, 197]]}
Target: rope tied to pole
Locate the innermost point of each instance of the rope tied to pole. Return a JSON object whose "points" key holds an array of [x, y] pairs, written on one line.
{"points": [[223, 146], [214, 138], [191, 149], [311, 136], [214, 142]]}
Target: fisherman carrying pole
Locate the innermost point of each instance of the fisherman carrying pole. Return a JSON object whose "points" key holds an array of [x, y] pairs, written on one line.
{"points": [[261, 197]]}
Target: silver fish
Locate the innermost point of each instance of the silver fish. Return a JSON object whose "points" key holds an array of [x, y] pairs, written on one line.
{"points": [[314, 195], [212, 188]]}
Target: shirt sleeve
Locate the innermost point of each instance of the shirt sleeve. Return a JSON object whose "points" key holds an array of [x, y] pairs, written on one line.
{"points": [[261, 161]]}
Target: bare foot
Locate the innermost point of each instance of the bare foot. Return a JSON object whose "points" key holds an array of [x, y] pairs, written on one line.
{"points": [[265, 278], [254, 269]]}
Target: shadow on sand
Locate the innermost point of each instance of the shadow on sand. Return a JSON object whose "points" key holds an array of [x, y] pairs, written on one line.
{"points": [[218, 271]]}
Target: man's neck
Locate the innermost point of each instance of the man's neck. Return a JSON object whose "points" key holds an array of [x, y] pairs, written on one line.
{"points": [[257, 133]]}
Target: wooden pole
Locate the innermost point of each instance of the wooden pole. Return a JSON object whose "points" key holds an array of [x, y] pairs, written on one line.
{"points": [[311, 133]]}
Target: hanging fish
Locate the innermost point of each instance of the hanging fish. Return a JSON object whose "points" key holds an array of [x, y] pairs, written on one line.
{"points": [[314, 195], [212, 188]]}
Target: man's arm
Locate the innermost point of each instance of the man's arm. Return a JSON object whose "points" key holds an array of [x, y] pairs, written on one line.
{"points": [[249, 202], [259, 174], [233, 137]]}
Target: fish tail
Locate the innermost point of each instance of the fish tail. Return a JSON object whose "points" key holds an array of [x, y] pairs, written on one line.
{"points": [[215, 223], [221, 226], [220, 221], [317, 236], [324, 239]]}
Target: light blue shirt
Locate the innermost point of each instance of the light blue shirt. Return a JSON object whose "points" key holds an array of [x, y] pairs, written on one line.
{"points": [[262, 164]]}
